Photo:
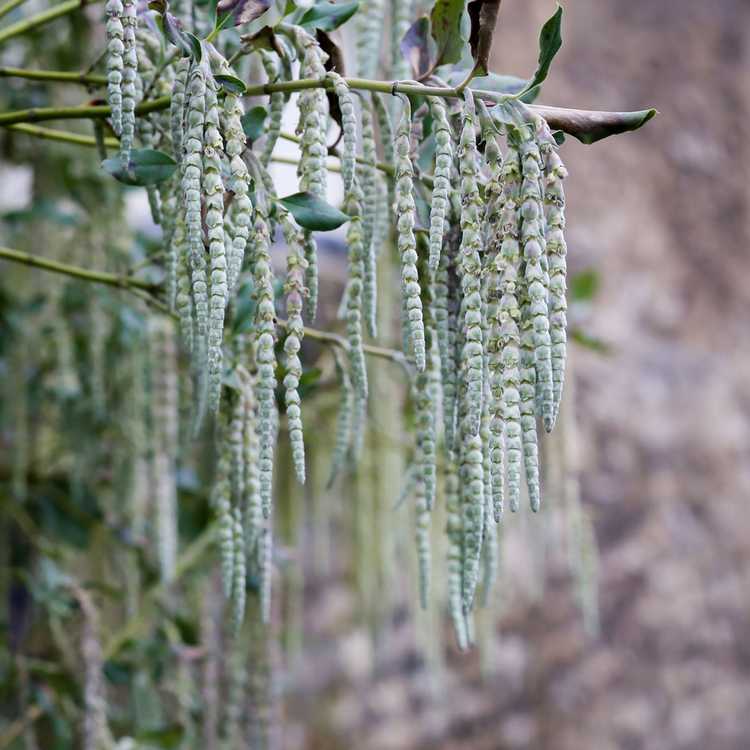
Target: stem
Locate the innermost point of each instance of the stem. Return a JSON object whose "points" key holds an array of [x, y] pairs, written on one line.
{"points": [[53, 75], [50, 134], [9, 6], [138, 287], [572, 121], [98, 277], [41, 19]]}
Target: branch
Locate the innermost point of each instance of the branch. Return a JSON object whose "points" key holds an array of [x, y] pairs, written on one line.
{"points": [[98, 277], [138, 287], [60, 76], [586, 125], [63, 136], [43, 18]]}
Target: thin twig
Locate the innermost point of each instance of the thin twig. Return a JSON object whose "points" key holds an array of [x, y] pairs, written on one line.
{"points": [[40, 19]]}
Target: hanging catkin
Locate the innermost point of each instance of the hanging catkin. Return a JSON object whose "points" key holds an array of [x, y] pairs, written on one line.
{"points": [[239, 585], [129, 75], [422, 536], [454, 552], [354, 298], [191, 188], [115, 61], [472, 354], [442, 178], [294, 290], [222, 505], [276, 103], [177, 106], [242, 208], [251, 504], [535, 275], [407, 243], [265, 359], [554, 211], [509, 260], [348, 129], [495, 265], [213, 190], [527, 389], [369, 176]]}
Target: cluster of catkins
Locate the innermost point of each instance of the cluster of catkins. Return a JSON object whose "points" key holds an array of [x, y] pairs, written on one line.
{"points": [[484, 319], [482, 289]]}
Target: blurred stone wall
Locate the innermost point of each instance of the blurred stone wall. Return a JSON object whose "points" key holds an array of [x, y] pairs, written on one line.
{"points": [[662, 216]]}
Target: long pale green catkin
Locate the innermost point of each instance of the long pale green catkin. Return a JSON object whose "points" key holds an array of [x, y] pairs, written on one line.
{"points": [[295, 290], [239, 583], [115, 62], [354, 299], [472, 355], [222, 505], [490, 556], [236, 448], [527, 390], [369, 29], [313, 113], [313, 110], [311, 276], [343, 420], [251, 505], [422, 538], [554, 210], [177, 107], [242, 207], [171, 214], [369, 174], [454, 553], [425, 412], [265, 358], [192, 173], [387, 140], [213, 190], [442, 178], [535, 276], [276, 103], [495, 265], [509, 258], [472, 511], [129, 75], [183, 301], [445, 313], [407, 243], [348, 129]]}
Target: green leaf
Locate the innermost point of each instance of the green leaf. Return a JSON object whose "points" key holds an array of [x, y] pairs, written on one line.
{"points": [[445, 21], [145, 167], [188, 44], [483, 17], [311, 212], [253, 122], [231, 84], [327, 16], [415, 47], [550, 41], [584, 285]]}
